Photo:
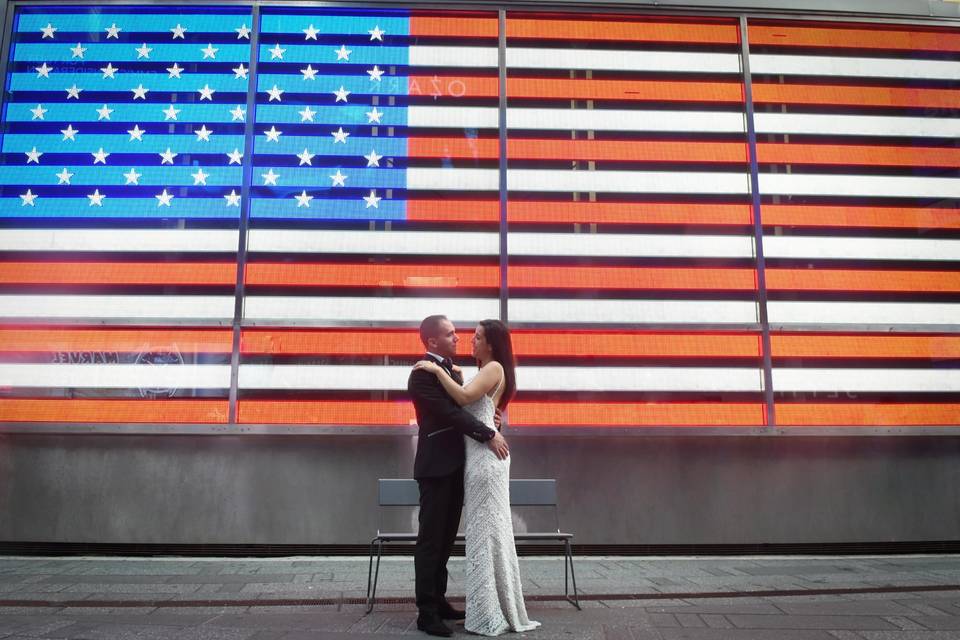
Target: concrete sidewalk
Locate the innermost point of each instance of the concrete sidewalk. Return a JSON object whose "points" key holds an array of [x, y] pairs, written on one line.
{"points": [[623, 598]]}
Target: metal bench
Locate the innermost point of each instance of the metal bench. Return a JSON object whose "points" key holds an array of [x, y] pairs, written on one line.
{"points": [[523, 493]]}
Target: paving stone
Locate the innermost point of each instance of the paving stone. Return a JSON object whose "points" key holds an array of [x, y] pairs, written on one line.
{"points": [[938, 622], [855, 608], [746, 621]]}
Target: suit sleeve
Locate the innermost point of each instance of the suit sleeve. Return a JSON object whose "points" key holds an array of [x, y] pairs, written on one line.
{"points": [[432, 398]]}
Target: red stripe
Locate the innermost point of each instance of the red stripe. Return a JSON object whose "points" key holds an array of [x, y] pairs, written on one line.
{"points": [[22, 339], [372, 275], [703, 279], [119, 273], [113, 410], [866, 415], [844, 95], [622, 28], [327, 412], [847, 154], [456, 27], [860, 216], [635, 414], [872, 37], [862, 280], [864, 346]]}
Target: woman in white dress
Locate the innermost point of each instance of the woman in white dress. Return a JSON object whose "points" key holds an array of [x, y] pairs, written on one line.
{"points": [[494, 594]]}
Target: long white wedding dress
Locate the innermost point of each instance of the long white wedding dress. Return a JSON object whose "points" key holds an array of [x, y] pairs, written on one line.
{"points": [[494, 595]]}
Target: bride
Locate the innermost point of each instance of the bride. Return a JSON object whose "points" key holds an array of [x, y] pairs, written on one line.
{"points": [[494, 595]]}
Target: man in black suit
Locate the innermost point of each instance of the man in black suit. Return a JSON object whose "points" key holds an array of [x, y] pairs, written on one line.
{"points": [[438, 469]]}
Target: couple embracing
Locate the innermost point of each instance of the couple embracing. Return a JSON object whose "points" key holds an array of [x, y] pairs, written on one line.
{"points": [[463, 463]]}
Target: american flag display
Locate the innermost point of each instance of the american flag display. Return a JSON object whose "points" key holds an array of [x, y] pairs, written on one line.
{"points": [[366, 177]]}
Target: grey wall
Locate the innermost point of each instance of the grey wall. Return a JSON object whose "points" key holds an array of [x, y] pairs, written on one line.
{"points": [[614, 490]]}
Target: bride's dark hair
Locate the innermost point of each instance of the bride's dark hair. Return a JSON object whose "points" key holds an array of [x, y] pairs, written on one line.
{"points": [[497, 335]]}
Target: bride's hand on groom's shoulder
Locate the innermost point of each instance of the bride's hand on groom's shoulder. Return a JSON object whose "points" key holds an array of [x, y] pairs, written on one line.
{"points": [[456, 369], [426, 365]]}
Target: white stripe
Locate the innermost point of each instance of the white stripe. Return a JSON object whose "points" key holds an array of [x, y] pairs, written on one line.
{"points": [[859, 185], [206, 240], [859, 380], [632, 311], [816, 247], [848, 125], [116, 376], [402, 242], [854, 67], [456, 117], [661, 61], [860, 313], [343, 309], [629, 245], [627, 181], [394, 378], [429, 178], [421, 56], [167, 307]]}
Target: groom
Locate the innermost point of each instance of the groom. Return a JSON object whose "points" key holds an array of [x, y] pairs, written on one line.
{"points": [[438, 469]]}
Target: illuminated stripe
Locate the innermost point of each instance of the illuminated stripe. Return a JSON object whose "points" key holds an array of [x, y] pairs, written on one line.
{"points": [[626, 29], [114, 240], [431, 56], [116, 376], [634, 414], [430, 179], [583, 277], [860, 313], [119, 273], [453, 210], [820, 247], [358, 310], [859, 185], [866, 380], [114, 410], [459, 26], [629, 245], [831, 124], [639, 312], [652, 213], [765, 93], [864, 346], [847, 154], [854, 67], [362, 377], [876, 37], [859, 216], [328, 412], [862, 280], [376, 242], [634, 61], [613, 181], [865, 415], [25, 339], [96, 307], [372, 275]]}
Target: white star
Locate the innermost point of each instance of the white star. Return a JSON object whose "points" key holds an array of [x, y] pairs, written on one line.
{"points": [[203, 133], [167, 156], [174, 71], [375, 73], [376, 33], [235, 156], [373, 116], [64, 176], [232, 198], [306, 157], [343, 53], [276, 52], [96, 198], [170, 113], [178, 32], [140, 91], [311, 33], [243, 32], [48, 31], [200, 177], [209, 52], [33, 155], [341, 94], [74, 91], [43, 71], [240, 73], [103, 113], [28, 198], [339, 136], [309, 73], [133, 177], [307, 114], [109, 70], [272, 134], [270, 178], [163, 199], [69, 133], [275, 94], [303, 200], [78, 51], [373, 160], [136, 133], [206, 93], [372, 200], [143, 51], [338, 179], [113, 31], [238, 113], [100, 156], [38, 112]]}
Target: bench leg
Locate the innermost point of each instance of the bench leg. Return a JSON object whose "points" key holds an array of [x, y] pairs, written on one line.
{"points": [[372, 587], [568, 560]]}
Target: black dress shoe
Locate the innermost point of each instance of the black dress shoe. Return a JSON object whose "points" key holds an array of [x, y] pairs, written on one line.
{"points": [[447, 612], [433, 626]]}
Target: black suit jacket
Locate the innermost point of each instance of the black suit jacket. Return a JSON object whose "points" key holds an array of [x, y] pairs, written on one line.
{"points": [[443, 423]]}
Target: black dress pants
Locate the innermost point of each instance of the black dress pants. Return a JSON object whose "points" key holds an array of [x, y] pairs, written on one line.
{"points": [[441, 501]]}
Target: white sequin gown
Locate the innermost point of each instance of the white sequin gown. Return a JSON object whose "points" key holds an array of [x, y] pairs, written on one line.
{"points": [[494, 595]]}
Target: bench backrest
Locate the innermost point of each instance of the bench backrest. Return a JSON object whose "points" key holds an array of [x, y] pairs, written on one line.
{"points": [[403, 492]]}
